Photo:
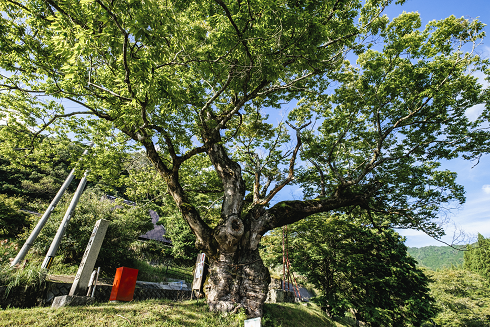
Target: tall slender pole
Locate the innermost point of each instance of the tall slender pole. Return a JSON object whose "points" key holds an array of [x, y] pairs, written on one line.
{"points": [[35, 233], [287, 257], [283, 263], [48, 260]]}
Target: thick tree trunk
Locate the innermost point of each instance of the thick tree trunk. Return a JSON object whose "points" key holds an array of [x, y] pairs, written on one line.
{"points": [[237, 276], [238, 280]]}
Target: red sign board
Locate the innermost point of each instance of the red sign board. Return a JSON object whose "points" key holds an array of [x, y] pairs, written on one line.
{"points": [[124, 284]]}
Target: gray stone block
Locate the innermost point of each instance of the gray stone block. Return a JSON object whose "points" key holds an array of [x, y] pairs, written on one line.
{"points": [[71, 300], [275, 296], [275, 284], [279, 296], [80, 284]]}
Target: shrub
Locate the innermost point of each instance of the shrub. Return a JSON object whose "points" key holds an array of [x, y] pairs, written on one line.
{"points": [[12, 220], [127, 223]]}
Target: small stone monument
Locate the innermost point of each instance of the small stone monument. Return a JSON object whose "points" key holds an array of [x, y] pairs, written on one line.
{"points": [[80, 284]]}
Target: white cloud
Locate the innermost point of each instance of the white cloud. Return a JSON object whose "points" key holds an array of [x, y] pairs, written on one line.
{"points": [[486, 188], [486, 51], [473, 112], [481, 78]]}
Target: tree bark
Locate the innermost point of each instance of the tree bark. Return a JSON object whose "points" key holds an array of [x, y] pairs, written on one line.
{"points": [[238, 280]]}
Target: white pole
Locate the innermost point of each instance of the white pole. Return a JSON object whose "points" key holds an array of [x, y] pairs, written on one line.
{"points": [[48, 260], [35, 233]]}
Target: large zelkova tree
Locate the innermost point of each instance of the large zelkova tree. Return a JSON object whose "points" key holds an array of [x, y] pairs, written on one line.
{"points": [[193, 84]]}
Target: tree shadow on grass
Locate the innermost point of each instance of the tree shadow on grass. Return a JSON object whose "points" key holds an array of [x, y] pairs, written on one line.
{"points": [[294, 315]]}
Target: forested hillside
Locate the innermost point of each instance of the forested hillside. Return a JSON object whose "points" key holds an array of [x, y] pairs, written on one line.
{"points": [[438, 257]]}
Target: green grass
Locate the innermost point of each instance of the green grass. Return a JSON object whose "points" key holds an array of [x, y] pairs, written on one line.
{"points": [[29, 276], [298, 315], [160, 273], [162, 313]]}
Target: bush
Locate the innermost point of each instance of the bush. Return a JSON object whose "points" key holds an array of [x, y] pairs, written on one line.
{"points": [[12, 220], [8, 250], [152, 251], [127, 223], [30, 276]]}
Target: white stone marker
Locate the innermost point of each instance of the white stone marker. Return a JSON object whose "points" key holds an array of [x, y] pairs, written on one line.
{"points": [[254, 322], [80, 284]]}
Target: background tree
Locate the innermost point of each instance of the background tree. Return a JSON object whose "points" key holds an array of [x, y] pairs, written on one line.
{"points": [[198, 79], [461, 297], [358, 268], [38, 174], [477, 258], [438, 257], [12, 219]]}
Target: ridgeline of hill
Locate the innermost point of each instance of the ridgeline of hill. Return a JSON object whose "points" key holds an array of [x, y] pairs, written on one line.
{"points": [[438, 257]]}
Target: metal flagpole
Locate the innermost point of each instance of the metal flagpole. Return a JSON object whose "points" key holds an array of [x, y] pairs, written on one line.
{"points": [[64, 223], [35, 233]]}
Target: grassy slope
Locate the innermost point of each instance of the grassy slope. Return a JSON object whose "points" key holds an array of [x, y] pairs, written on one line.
{"points": [[162, 313]]}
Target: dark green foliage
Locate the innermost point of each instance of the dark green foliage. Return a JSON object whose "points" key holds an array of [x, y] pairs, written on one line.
{"points": [[438, 257], [183, 240], [127, 223], [477, 258], [35, 174], [151, 250], [12, 220], [367, 270], [8, 250]]}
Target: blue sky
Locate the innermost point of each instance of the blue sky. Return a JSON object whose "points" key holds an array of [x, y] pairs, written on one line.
{"points": [[474, 216]]}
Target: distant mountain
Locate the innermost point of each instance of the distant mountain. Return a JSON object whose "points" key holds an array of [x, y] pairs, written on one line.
{"points": [[437, 257]]}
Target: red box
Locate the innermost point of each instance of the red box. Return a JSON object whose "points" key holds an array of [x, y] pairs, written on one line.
{"points": [[124, 284]]}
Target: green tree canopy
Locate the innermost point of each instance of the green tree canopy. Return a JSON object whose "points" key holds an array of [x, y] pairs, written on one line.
{"points": [[477, 258], [357, 267], [193, 84]]}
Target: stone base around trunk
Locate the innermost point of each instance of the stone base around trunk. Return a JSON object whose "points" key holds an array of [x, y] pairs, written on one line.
{"points": [[280, 296], [71, 301]]}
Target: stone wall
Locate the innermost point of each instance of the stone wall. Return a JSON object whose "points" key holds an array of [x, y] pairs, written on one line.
{"points": [[19, 297], [276, 294]]}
